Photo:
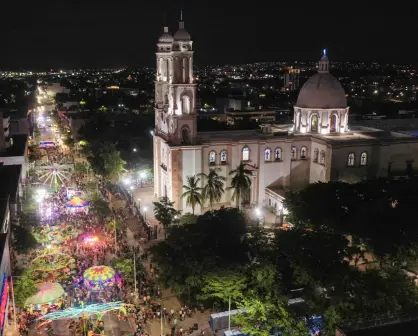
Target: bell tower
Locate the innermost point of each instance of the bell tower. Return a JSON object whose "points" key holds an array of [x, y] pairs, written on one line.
{"points": [[175, 88]]}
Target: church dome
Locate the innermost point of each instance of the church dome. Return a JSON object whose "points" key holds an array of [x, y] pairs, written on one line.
{"points": [[166, 37], [182, 34], [322, 91]]}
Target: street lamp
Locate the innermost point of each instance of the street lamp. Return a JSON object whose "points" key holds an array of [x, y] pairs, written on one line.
{"points": [[134, 149], [143, 176], [259, 215]]}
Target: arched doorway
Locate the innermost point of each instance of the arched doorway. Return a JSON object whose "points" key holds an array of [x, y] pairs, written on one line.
{"points": [[185, 135], [333, 123], [314, 123]]}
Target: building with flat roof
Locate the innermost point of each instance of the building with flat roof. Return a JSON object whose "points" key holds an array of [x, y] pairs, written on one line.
{"points": [[319, 146]]}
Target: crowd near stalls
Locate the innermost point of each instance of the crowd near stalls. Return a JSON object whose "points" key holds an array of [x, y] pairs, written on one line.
{"points": [[77, 274]]}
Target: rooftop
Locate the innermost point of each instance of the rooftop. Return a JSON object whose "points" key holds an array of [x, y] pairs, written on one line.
{"points": [[17, 148], [9, 177], [357, 134]]}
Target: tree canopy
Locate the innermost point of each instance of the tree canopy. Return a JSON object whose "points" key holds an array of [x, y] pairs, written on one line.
{"points": [[22, 239], [24, 287]]}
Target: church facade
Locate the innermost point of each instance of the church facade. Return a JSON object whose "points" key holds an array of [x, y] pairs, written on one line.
{"points": [[321, 146]]}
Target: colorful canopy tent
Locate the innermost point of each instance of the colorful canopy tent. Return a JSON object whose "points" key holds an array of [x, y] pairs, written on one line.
{"points": [[99, 273], [47, 292], [76, 202]]}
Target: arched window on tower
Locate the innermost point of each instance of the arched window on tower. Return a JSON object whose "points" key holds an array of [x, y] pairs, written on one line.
{"points": [[267, 154], [363, 159], [278, 154], [185, 104], [316, 155], [212, 157], [224, 157], [185, 136], [293, 153], [184, 69], [314, 123], [303, 152], [322, 157], [333, 123], [245, 154], [351, 160]]}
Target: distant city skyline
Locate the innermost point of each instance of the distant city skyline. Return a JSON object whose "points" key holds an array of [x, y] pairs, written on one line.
{"points": [[72, 34]]}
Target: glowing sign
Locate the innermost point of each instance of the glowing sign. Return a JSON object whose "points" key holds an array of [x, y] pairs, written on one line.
{"points": [[113, 87], [4, 300]]}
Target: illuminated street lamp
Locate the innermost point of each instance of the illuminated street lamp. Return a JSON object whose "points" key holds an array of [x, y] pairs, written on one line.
{"points": [[260, 217]]}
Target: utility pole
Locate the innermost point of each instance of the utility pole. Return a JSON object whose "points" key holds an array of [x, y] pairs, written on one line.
{"points": [[133, 247], [229, 314], [114, 226]]}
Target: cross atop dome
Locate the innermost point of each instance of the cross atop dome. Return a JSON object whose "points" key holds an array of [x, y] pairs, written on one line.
{"points": [[323, 66]]}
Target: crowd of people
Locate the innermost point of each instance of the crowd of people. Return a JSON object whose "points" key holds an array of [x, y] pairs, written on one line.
{"points": [[143, 305]]}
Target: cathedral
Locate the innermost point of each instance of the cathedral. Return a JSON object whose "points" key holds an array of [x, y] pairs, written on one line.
{"points": [[321, 145]]}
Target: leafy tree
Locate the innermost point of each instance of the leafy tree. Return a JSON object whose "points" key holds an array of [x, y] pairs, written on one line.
{"points": [[192, 251], [266, 314], [214, 187], [365, 211], [99, 206], [331, 321], [165, 212], [188, 219], [22, 239], [299, 253], [113, 164], [24, 287], [223, 285], [114, 224], [192, 194], [69, 141], [80, 167], [374, 293], [240, 183], [125, 266]]}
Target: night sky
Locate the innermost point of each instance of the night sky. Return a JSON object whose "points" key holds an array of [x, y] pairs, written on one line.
{"points": [[91, 33]]}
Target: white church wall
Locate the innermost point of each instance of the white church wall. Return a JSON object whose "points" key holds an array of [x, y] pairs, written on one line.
{"points": [[399, 154], [342, 171], [317, 172], [224, 168], [192, 165]]}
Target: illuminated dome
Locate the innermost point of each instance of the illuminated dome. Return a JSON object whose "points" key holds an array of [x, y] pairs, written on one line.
{"points": [[166, 37], [322, 91]]}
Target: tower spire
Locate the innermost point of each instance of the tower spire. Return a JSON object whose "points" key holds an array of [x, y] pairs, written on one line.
{"points": [[181, 22], [323, 66]]}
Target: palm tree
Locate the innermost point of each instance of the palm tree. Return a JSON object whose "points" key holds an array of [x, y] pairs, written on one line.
{"points": [[193, 192], [241, 183], [214, 187]]}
